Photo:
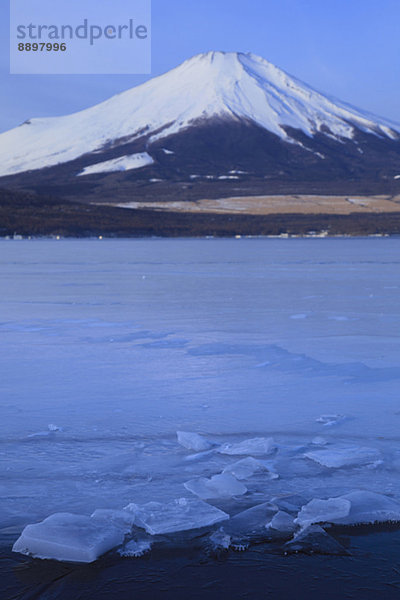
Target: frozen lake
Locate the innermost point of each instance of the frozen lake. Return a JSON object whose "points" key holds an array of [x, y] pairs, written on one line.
{"points": [[108, 348]]}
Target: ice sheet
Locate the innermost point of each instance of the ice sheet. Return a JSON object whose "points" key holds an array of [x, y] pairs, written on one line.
{"points": [[119, 518], [68, 537], [224, 485], [357, 507], [193, 441], [250, 522], [289, 503], [347, 456], [323, 511], [254, 447], [369, 507], [245, 468], [180, 515], [314, 539], [79, 322], [282, 522]]}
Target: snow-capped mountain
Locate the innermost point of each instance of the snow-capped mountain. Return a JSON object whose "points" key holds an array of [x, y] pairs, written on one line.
{"points": [[216, 117]]}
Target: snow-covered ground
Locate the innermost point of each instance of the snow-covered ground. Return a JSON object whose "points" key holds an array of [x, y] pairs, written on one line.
{"points": [[282, 355]]}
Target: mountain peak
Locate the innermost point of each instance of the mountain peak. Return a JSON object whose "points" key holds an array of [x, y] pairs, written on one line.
{"points": [[224, 85]]}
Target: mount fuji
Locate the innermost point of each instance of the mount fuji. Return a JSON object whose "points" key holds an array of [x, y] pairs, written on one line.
{"points": [[218, 123]]}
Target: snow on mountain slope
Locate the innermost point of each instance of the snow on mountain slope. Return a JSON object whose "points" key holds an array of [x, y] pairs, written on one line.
{"points": [[124, 163], [228, 85]]}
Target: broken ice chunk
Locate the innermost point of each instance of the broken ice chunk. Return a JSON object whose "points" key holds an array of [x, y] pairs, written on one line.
{"points": [[245, 468], [255, 446], [270, 469], [346, 456], [68, 537], [250, 522], [358, 507], [180, 515], [218, 486], [323, 511], [193, 441], [135, 549], [53, 427], [282, 522], [369, 507], [291, 503], [314, 539], [120, 518]]}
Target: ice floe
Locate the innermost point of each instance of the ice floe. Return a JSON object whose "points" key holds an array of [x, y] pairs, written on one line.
{"points": [[120, 518], [193, 441], [289, 503], [252, 447], [323, 511], [282, 522], [250, 522], [314, 539], [369, 507], [246, 467], [183, 514], [357, 507], [68, 537], [224, 485], [346, 456], [77, 538]]}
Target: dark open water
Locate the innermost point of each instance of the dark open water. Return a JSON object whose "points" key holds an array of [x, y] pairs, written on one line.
{"points": [[372, 571]]}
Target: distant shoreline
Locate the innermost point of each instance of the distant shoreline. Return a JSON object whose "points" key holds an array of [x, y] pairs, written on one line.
{"points": [[95, 238], [29, 215]]}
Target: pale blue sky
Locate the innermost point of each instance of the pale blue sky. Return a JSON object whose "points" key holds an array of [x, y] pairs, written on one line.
{"points": [[346, 48]]}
